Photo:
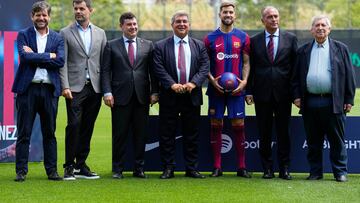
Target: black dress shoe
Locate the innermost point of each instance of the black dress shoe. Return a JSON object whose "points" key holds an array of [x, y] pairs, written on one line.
{"points": [[194, 174], [54, 176], [139, 173], [20, 177], [314, 177], [118, 175], [341, 178], [285, 175], [216, 172], [167, 174], [243, 173], [268, 174]]}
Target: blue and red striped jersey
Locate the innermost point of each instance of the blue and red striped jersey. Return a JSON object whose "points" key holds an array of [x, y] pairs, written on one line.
{"points": [[225, 52]]}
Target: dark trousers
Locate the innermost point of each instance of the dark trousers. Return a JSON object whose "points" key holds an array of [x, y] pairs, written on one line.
{"points": [[82, 112], [320, 121], [266, 113], [39, 99], [133, 116], [190, 119]]}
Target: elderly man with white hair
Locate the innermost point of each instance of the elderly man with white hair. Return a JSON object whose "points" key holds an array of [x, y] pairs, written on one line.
{"points": [[324, 92]]}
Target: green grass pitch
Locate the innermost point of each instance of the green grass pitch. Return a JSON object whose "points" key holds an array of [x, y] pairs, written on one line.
{"points": [[228, 188]]}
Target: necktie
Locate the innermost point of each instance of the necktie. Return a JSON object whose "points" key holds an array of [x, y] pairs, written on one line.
{"points": [[270, 48], [182, 63], [131, 51], [320, 45]]}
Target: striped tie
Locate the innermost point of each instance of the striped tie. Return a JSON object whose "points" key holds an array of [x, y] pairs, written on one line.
{"points": [[270, 48]]}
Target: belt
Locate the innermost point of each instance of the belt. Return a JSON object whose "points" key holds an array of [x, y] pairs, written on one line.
{"points": [[40, 82], [320, 95]]}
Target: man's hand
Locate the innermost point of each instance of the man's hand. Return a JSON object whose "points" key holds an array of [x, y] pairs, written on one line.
{"points": [[67, 93], [189, 86], [28, 49], [109, 100], [347, 108], [240, 87], [297, 102], [249, 99], [154, 98], [52, 55], [215, 83], [178, 88]]}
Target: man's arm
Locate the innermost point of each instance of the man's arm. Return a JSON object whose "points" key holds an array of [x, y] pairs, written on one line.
{"points": [[350, 86], [27, 54], [245, 74], [105, 76], [159, 68], [66, 92]]}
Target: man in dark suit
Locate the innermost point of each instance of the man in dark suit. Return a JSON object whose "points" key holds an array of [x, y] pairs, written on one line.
{"points": [[126, 76], [37, 85], [80, 82], [272, 59], [324, 91], [181, 65]]}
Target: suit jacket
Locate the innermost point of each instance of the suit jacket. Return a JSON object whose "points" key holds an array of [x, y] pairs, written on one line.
{"points": [[30, 61], [73, 75], [121, 79], [272, 79], [165, 69], [342, 75]]}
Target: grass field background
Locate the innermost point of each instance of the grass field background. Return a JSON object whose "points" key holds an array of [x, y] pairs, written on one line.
{"points": [[224, 189]]}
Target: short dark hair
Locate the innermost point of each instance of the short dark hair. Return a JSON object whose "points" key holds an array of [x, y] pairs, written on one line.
{"points": [[40, 6], [87, 2], [226, 4], [126, 16]]}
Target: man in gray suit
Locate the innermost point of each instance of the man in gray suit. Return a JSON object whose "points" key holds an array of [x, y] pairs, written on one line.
{"points": [[126, 76], [80, 81]]}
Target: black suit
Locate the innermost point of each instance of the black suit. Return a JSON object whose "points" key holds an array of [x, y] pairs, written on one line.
{"points": [[130, 87], [326, 119], [270, 84], [173, 104]]}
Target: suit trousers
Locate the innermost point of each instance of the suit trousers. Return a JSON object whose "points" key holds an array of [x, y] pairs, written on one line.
{"points": [[82, 112], [135, 117], [266, 114], [320, 121], [189, 116], [38, 99]]}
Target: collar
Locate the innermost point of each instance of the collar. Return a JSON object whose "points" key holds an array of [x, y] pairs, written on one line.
{"points": [[324, 45], [276, 33], [80, 27], [38, 33], [126, 39], [177, 39]]}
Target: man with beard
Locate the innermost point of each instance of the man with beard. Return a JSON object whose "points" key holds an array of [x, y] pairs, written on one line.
{"points": [[229, 50], [273, 53], [37, 85], [80, 81]]}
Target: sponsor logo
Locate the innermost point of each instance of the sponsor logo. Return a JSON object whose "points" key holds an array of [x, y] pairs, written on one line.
{"points": [[154, 145], [238, 114], [222, 56], [349, 144], [226, 143], [217, 45]]}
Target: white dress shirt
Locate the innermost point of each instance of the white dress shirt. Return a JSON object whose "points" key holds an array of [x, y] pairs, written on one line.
{"points": [[41, 74], [187, 55]]}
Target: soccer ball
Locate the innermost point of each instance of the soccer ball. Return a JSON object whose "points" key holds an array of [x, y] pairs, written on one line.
{"points": [[228, 81]]}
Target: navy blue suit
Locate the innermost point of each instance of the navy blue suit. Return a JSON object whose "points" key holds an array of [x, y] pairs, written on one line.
{"points": [[324, 114], [172, 104], [37, 98]]}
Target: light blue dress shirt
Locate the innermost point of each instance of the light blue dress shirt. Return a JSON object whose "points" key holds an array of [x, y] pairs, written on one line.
{"points": [[275, 40], [318, 79], [85, 35], [187, 55]]}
